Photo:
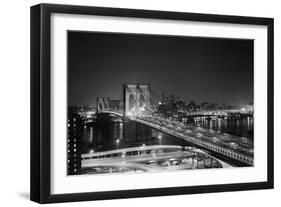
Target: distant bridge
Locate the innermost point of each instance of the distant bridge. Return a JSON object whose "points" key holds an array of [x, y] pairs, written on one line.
{"points": [[222, 112]]}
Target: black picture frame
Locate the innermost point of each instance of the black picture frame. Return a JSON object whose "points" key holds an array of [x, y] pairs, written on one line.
{"points": [[40, 103]]}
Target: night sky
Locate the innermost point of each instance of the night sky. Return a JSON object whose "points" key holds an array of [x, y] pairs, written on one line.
{"points": [[200, 69]]}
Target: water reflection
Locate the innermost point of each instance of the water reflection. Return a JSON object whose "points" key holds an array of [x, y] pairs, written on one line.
{"points": [[237, 126], [103, 136]]}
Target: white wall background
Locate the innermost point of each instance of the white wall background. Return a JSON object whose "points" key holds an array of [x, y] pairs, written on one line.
{"points": [[14, 104]]}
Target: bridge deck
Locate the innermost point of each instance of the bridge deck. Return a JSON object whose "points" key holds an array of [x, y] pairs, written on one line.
{"points": [[227, 145]]}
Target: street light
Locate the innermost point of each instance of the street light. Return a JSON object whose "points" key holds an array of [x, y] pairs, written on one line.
{"points": [[160, 137], [117, 143]]}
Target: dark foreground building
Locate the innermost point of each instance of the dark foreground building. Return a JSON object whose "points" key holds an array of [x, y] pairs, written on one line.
{"points": [[74, 128]]}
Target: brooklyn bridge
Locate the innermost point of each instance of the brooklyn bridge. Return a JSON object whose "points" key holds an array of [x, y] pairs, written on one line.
{"points": [[138, 102]]}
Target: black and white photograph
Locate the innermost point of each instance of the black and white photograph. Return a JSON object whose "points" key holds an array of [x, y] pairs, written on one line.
{"points": [[143, 103], [133, 103]]}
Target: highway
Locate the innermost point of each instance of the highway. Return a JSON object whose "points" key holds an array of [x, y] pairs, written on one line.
{"points": [[152, 158]]}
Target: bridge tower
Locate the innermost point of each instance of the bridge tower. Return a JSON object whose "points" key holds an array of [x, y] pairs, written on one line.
{"points": [[102, 103], [135, 96]]}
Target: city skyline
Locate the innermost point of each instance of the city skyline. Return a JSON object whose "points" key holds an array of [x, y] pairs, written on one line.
{"points": [[199, 69]]}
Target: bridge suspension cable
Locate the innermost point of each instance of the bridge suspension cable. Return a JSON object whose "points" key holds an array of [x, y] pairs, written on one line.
{"points": [[137, 100], [153, 115], [154, 94], [154, 97]]}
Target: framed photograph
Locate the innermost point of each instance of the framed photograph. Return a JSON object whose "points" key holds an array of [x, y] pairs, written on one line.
{"points": [[133, 103]]}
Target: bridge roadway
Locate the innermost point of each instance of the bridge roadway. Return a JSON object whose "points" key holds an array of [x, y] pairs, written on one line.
{"points": [[220, 144], [137, 157]]}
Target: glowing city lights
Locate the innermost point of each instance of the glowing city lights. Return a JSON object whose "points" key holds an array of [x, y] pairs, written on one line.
{"points": [[117, 143], [137, 111]]}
